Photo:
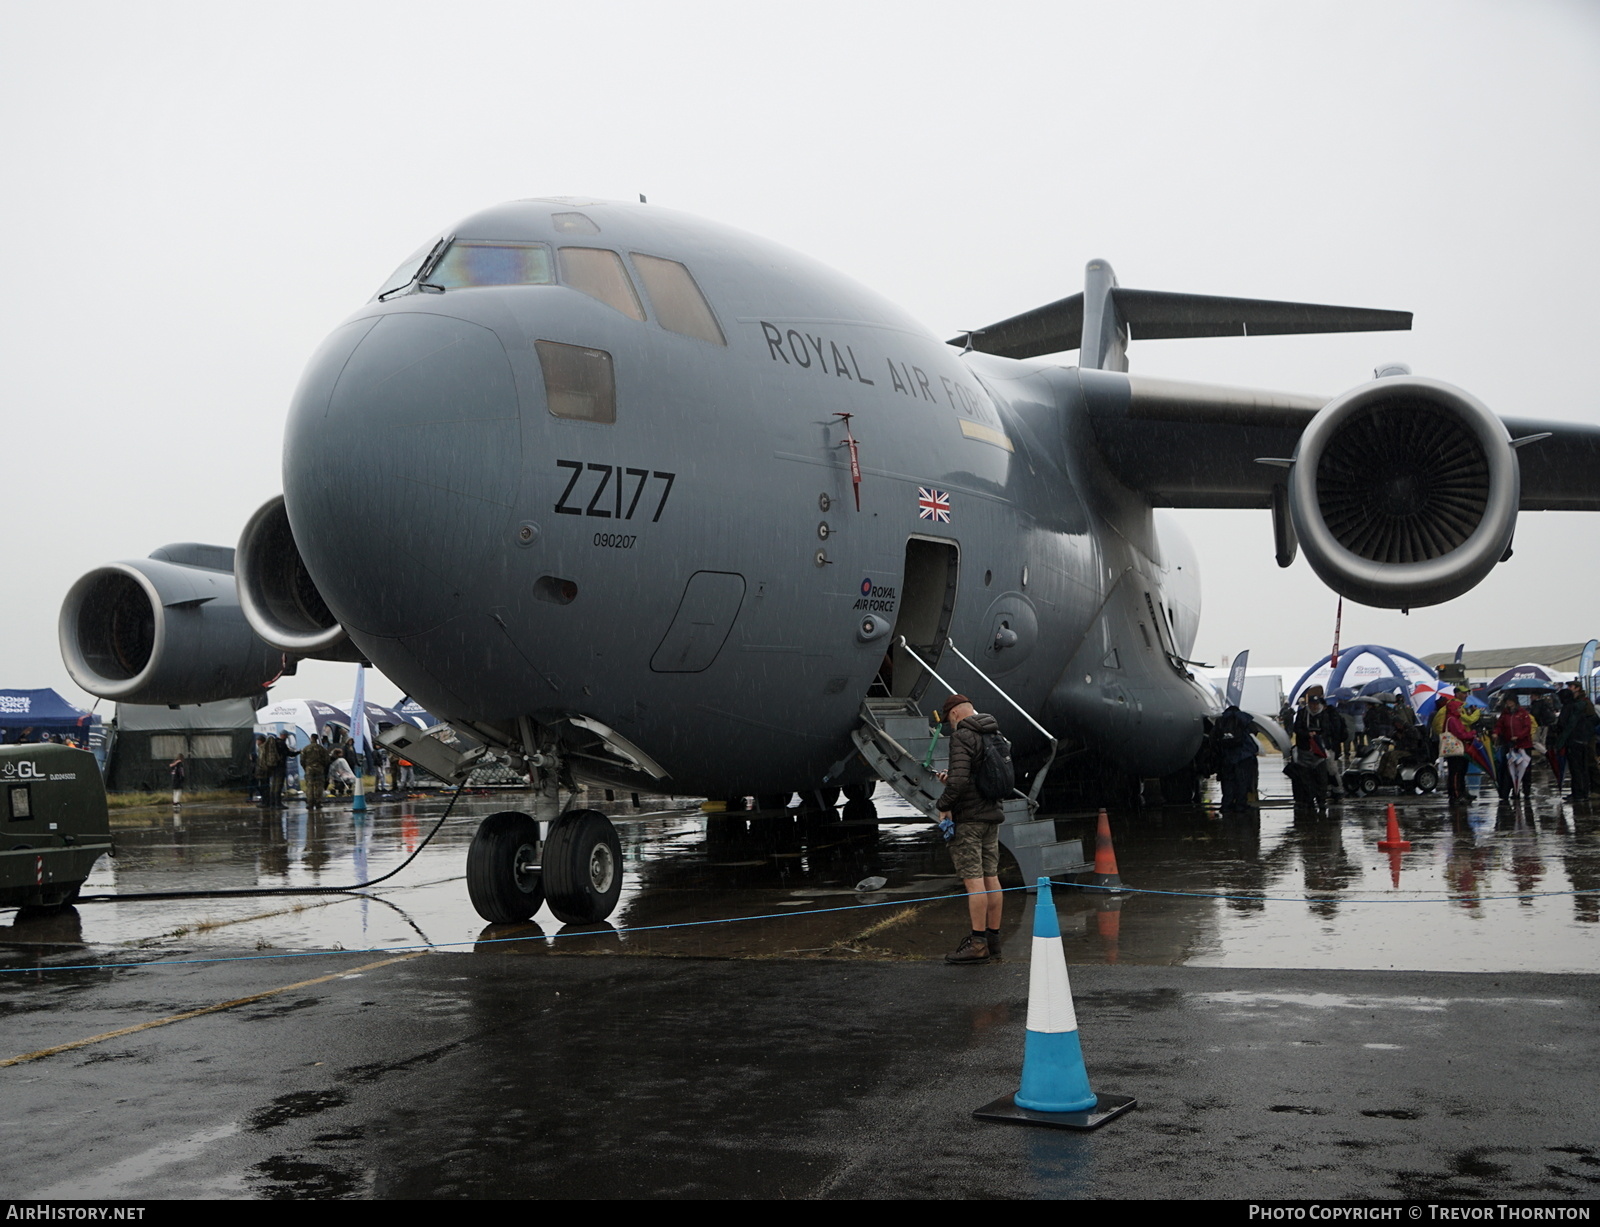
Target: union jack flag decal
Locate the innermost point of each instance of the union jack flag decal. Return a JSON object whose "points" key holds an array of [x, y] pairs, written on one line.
{"points": [[933, 505]]}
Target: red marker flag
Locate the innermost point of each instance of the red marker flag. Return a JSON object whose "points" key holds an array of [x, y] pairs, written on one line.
{"points": [[855, 460]]}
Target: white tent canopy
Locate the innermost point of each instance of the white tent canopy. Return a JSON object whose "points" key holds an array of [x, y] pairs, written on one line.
{"points": [[305, 718]]}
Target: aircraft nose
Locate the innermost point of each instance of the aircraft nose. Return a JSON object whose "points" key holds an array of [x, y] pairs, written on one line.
{"points": [[400, 467]]}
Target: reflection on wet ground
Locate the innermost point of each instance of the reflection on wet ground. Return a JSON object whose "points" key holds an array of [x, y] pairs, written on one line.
{"points": [[1299, 890]]}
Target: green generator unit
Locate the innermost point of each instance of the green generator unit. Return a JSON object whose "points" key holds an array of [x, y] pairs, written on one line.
{"points": [[53, 823]]}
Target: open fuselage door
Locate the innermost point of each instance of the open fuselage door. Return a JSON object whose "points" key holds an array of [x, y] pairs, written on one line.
{"points": [[927, 605]]}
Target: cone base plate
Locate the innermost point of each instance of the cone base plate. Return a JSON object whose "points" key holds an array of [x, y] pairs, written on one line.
{"points": [[1004, 1111]]}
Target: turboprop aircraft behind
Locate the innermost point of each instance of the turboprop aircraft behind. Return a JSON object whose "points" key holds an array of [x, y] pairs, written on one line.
{"points": [[634, 498]]}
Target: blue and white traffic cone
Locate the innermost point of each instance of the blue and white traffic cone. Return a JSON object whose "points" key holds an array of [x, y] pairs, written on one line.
{"points": [[1053, 1076], [1055, 1085]]}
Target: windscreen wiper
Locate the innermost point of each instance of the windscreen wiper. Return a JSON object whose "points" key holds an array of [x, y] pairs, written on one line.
{"points": [[419, 279]]}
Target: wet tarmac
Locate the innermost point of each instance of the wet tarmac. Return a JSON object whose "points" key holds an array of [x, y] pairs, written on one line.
{"points": [[1327, 1028], [1276, 888]]}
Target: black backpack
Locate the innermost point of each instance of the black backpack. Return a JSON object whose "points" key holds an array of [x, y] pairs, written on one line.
{"points": [[992, 773]]}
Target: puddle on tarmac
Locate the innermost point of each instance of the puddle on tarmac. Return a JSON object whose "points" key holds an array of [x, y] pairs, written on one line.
{"points": [[1303, 891]]}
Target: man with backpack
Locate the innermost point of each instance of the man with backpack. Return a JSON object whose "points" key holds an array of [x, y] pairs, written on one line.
{"points": [[270, 767], [1234, 747], [980, 761]]}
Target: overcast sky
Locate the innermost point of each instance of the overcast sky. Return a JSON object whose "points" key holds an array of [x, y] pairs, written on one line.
{"points": [[195, 194]]}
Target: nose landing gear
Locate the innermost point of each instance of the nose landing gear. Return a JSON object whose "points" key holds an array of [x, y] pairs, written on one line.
{"points": [[503, 878], [579, 873], [582, 867]]}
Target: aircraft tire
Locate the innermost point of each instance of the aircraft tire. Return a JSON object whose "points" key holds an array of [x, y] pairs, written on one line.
{"points": [[582, 867], [503, 878], [860, 792]]}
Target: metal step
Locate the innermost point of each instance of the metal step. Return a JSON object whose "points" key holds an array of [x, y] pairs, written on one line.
{"points": [[894, 742]]}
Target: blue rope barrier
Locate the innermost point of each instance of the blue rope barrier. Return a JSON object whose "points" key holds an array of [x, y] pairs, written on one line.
{"points": [[692, 924]]}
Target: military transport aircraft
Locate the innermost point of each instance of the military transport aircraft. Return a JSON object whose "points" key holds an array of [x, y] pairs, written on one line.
{"points": [[633, 498]]}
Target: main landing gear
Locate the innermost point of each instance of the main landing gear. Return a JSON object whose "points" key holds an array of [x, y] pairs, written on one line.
{"points": [[579, 873]]}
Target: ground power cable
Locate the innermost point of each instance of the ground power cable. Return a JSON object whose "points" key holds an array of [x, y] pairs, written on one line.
{"points": [[724, 920], [254, 892]]}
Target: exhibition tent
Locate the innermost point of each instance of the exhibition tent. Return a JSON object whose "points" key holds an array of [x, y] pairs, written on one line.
{"points": [[32, 713], [214, 739]]}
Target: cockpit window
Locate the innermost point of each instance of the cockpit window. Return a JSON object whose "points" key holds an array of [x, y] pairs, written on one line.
{"points": [[573, 223], [578, 382], [470, 263], [680, 307], [600, 274]]}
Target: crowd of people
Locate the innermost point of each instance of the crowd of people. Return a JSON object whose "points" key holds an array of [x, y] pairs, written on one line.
{"points": [[1506, 739], [31, 736], [327, 768], [1503, 735]]}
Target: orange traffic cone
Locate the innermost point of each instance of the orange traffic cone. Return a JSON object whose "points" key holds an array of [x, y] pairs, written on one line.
{"points": [[1105, 857], [1108, 921], [1393, 843]]}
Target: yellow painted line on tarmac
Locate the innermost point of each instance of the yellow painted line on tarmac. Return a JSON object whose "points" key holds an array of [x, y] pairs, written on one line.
{"points": [[210, 1009]]}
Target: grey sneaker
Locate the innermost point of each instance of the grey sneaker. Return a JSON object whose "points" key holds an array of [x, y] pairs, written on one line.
{"points": [[971, 950]]}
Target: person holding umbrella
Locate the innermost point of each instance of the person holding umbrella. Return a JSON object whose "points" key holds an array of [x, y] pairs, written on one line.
{"points": [[1514, 733]]}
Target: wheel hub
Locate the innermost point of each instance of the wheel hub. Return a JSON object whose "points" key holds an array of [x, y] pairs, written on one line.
{"points": [[602, 867], [525, 868]]}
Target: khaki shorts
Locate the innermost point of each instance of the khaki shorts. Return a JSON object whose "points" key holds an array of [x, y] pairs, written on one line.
{"points": [[975, 849]]}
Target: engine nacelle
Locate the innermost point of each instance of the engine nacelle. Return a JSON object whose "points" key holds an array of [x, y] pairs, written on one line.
{"points": [[164, 629], [1404, 492], [277, 594]]}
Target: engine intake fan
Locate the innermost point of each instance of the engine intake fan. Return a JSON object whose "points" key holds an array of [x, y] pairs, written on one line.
{"points": [[164, 629], [1404, 492], [278, 595]]}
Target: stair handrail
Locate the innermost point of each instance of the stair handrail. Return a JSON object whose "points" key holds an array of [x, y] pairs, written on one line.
{"points": [[1038, 778], [911, 653]]}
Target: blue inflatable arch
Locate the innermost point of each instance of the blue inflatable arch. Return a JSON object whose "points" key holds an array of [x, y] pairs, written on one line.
{"points": [[1348, 656]]}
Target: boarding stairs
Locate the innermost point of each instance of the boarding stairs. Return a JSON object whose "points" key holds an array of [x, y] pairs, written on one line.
{"points": [[907, 752]]}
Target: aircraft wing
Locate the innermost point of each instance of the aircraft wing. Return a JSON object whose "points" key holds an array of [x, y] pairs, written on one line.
{"points": [[1198, 445], [1561, 473]]}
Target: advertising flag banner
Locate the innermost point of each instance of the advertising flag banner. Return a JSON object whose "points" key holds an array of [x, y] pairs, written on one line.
{"points": [[1236, 678], [358, 712]]}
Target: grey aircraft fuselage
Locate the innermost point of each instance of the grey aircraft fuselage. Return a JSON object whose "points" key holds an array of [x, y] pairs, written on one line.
{"points": [[695, 573]]}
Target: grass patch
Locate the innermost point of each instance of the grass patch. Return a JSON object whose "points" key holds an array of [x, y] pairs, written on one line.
{"points": [[163, 800]]}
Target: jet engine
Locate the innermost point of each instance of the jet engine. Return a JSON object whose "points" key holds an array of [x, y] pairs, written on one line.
{"points": [[277, 594], [164, 629], [1404, 492]]}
